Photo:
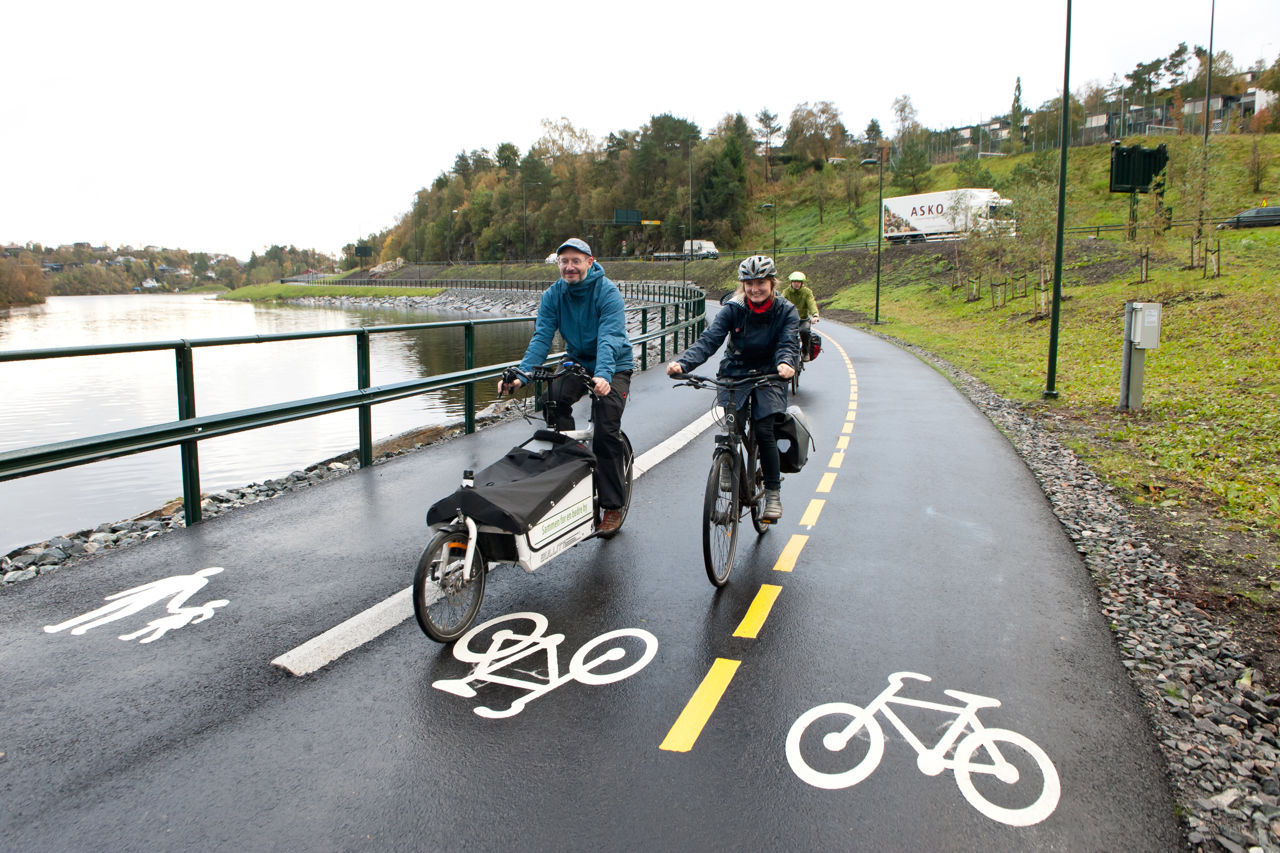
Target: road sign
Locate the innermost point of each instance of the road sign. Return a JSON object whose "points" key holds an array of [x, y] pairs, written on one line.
{"points": [[650, 221]]}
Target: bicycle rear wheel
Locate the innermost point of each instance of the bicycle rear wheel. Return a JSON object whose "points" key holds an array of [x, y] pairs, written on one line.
{"points": [[720, 512], [444, 601]]}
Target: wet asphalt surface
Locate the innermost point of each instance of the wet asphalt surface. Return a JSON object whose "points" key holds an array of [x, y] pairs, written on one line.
{"points": [[930, 549]]}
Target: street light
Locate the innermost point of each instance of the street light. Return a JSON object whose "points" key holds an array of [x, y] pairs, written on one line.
{"points": [[769, 206], [684, 256], [525, 202], [878, 160]]}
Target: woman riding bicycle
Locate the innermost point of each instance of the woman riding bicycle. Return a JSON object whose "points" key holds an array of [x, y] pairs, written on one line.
{"points": [[761, 329]]}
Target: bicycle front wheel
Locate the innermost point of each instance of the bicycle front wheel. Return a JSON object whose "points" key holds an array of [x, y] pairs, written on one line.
{"points": [[755, 494], [720, 510], [445, 600]]}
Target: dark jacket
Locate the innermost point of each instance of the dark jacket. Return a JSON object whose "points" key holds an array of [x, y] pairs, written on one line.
{"points": [[591, 317], [756, 342]]}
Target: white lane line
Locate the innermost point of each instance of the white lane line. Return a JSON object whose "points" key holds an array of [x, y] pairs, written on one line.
{"points": [[355, 632], [382, 617]]}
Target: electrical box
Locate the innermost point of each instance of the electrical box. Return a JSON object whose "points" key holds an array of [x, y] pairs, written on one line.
{"points": [[1144, 333]]}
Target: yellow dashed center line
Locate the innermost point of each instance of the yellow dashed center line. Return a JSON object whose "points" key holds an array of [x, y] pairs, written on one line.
{"points": [[689, 725], [791, 553], [696, 713], [810, 517], [749, 627]]}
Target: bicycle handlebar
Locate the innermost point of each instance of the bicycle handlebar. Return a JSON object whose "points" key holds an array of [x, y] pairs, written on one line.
{"points": [[728, 383], [543, 373]]}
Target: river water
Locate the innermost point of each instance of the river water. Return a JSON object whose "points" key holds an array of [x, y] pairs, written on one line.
{"points": [[58, 399]]}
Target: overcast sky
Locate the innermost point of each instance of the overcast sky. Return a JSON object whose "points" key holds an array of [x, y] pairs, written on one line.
{"points": [[230, 126]]}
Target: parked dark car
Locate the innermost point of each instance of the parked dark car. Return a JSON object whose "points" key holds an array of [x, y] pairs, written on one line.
{"points": [[1256, 217]]}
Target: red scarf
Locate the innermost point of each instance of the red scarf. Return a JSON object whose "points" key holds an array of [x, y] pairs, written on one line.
{"points": [[762, 309]]}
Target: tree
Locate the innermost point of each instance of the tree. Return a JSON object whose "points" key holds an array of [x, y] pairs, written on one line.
{"points": [[1145, 77], [508, 156], [769, 127], [1175, 66], [560, 138], [1015, 119], [904, 113], [874, 134], [911, 166]]}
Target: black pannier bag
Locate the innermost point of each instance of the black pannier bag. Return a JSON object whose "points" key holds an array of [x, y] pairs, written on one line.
{"points": [[794, 440], [515, 492], [815, 345]]}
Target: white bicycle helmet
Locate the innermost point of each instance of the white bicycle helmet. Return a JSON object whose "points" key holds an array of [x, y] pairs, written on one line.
{"points": [[757, 266], [796, 276]]}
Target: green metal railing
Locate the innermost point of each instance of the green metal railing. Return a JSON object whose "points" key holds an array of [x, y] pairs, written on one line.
{"points": [[685, 320]]}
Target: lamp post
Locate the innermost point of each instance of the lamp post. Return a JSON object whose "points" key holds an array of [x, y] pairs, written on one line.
{"points": [[525, 203], [878, 160], [771, 206], [1055, 311]]}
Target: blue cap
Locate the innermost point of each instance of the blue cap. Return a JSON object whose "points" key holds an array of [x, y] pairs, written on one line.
{"points": [[575, 243]]}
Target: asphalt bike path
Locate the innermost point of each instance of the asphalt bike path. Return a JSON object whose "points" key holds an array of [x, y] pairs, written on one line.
{"points": [[914, 542]]}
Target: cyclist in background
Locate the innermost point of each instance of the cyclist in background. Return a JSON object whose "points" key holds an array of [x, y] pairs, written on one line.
{"points": [[761, 332], [799, 295]]}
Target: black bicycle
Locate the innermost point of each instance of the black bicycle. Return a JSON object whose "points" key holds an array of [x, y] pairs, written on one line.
{"points": [[735, 484]]}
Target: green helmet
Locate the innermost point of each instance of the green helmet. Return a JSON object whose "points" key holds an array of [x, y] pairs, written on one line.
{"points": [[796, 276]]}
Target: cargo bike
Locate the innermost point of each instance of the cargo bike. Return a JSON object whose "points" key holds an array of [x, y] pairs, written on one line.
{"points": [[533, 504]]}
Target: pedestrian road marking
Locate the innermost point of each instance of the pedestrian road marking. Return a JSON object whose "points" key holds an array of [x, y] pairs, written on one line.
{"points": [[828, 480], [684, 732], [791, 553], [749, 627], [837, 459], [842, 443], [848, 427]]}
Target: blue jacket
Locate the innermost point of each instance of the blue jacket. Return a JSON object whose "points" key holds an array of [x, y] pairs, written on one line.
{"points": [[591, 317]]}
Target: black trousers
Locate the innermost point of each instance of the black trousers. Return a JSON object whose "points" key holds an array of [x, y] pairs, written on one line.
{"points": [[606, 413], [805, 326], [767, 447]]}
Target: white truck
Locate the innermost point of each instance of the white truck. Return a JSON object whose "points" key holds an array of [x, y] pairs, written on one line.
{"points": [[693, 250], [946, 215]]}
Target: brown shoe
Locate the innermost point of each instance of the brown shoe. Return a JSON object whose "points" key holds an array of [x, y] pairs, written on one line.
{"points": [[610, 523]]}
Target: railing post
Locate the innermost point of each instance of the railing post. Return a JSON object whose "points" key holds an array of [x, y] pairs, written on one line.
{"points": [[365, 412], [469, 390], [663, 327], [190, 453], [644, 347]]}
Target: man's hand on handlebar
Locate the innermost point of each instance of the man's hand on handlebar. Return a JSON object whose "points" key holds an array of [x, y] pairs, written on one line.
{"points": [[785, 370], [674, 368], [510, 382]]}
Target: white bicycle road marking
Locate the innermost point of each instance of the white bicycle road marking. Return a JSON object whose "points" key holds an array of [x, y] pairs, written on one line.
{"points": [[122, 605], [385, 615], [506, 647], [965, 761]]}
